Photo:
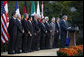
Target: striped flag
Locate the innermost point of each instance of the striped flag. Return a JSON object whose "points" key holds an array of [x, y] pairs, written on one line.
{"points": [[42, 11], [4, 22], [6, 9], [17, 8]]}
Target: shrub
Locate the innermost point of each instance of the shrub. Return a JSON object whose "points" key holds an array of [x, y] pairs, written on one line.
{"points": [[71, 51]]}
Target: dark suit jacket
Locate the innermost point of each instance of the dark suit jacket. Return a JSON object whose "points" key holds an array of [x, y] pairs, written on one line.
{"points": [[30, 27], [35, 26], [39, 24], [57, 27], [12, 28], [25, 25], [19, 27], [63, 27], [47, 27], [43, 29]]}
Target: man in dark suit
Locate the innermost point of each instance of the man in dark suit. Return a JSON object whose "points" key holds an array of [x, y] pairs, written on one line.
{"points": [[57, 32], [30, 36], [26, 32], [36, 31], [43, 34], [47, 40], [39, 34], [64, 28], [20, 32], [12, 30]]}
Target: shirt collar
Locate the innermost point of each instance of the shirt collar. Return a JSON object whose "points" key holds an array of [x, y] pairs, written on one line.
{"points": [[19, 20], [57, 22], [64, 20], [14, 17], [46, 22], [29, 21]]}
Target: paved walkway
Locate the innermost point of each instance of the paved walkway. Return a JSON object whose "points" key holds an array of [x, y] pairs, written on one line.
{"points": [[48, 52]]}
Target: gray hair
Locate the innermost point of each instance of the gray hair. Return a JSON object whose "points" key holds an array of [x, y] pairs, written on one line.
{"points": [[35, 16], [64, 16], [53, 18], [39, 16], [46, 18], [25, 15]]}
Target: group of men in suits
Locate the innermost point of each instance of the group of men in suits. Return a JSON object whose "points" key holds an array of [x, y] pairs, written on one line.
{"points": [[33, 33]]}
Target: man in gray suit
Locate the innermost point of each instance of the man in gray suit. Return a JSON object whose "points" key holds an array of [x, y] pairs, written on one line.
{"points": [[52, 25], [57, 32]]}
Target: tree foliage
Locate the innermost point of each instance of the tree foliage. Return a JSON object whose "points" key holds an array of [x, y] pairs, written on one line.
{"points": [[54, 9]]}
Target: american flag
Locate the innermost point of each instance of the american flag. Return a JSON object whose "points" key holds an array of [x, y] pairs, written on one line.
{"points": [[4, 22]]}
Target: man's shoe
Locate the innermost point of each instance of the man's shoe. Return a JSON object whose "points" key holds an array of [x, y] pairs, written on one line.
{"points": [[17, 52], [11, 52], [24, 51]]}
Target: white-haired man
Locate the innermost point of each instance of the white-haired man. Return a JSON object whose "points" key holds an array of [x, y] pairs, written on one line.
{"points": [[36, 32], [20, 32], [47, 25], [52, 25]]}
